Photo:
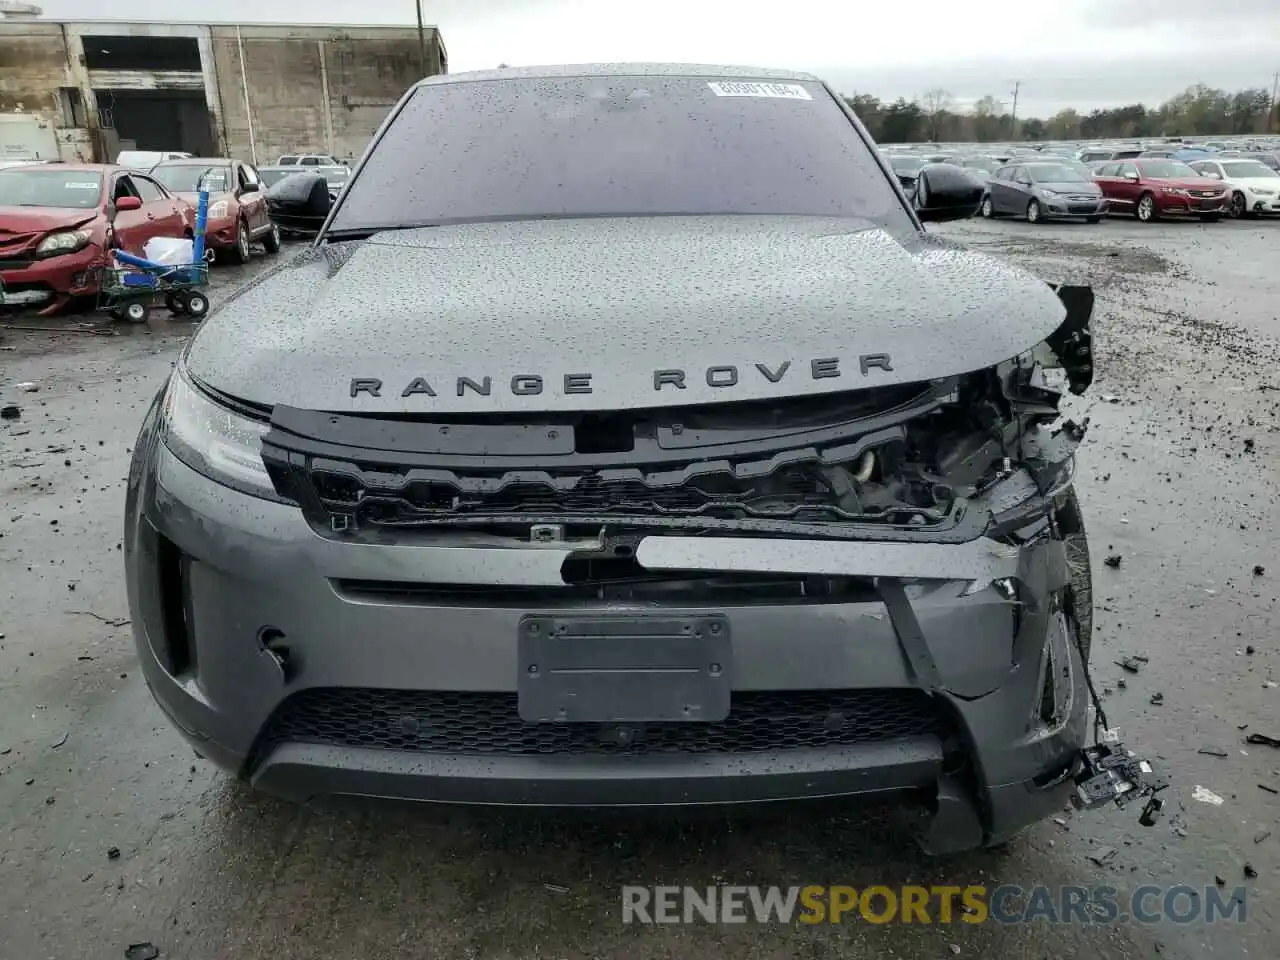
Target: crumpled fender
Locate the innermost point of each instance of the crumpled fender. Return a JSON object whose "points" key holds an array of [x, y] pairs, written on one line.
{"points": [[1072, 342]]}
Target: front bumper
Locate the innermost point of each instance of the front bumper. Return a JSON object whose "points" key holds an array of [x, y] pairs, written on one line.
{"points": [[1067, 207], [30, 281], [221, 234], [303, 671], [1257, 204], [1172, 205]]}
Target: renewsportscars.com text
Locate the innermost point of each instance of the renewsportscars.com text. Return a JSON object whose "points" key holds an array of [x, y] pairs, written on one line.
{"points": [[1008, 904]]}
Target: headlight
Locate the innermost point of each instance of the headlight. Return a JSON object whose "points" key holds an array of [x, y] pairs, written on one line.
{"points": [[1263, 193], [219, 210], [215, 441], [56, 243]]}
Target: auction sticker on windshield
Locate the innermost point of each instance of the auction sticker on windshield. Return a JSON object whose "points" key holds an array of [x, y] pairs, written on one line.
{"points": [[81, 185], [775, 91]]}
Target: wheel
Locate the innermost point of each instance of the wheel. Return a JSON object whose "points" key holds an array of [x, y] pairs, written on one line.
{"points": [[1146, 208], [987, 210], [240, 252], [176, 303], [1237, 205], [272, 240], [1092, 219], [197, 304], [1033, 212], [136, 312]]}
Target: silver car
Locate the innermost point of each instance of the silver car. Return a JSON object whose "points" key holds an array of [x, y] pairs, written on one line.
{"points": [[1044, 190]]}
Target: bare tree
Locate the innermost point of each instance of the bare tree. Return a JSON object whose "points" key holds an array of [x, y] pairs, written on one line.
{"points": [[935, 104]]}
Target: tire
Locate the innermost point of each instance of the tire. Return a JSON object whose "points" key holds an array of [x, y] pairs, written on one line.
{"points": [[136, 312], [987, 209], [177, 306], [1145, 209], [1079, 599], [272, 240], [1033, 211], [1092, 219], [240, 252], [1237, 208], [197, 305]]}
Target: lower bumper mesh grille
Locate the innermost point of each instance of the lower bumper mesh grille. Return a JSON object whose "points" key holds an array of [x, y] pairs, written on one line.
{"points": [[489, 723]]}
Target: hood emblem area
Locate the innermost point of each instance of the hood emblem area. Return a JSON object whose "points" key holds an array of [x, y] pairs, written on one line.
{"points": [[673, 379]]}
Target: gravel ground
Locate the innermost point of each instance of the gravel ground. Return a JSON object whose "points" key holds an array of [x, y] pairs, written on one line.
{"points": [[112, 833]]}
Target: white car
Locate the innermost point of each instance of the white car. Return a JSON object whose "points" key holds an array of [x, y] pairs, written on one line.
{"points": [[1255, 187], [308, 160], [144, 160]]}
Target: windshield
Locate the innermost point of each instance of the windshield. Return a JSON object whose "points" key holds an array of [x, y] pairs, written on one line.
{"points": [[615, 146], [188, 177], [75, 189], [1056, 173], [905, 164], [1248, 168], [1166, 169]]}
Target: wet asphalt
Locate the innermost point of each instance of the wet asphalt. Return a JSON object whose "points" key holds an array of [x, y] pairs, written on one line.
{"points": [[112, 833]]}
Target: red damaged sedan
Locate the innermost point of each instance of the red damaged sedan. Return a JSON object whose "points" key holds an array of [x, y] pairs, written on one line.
{"points": [[1155, 188], [55, 229]]}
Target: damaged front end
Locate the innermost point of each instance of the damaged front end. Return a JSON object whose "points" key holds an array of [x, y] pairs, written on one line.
{"points": [[865, 497], [983, 454]]}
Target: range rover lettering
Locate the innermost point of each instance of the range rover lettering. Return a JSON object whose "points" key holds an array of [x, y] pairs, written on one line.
{"points": [[623, 439]]}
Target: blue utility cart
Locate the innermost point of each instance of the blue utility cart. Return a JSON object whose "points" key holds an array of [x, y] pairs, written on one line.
{"points": [[131, 284]]}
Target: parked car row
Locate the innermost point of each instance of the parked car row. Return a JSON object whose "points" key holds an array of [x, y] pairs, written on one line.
{"points": [[59, 220], [1044, 186]]}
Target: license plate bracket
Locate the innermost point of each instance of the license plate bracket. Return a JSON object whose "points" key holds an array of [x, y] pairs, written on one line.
{"points": [[623, 669]]}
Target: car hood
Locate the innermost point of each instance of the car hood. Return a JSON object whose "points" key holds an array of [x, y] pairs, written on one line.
{"points": [[601, 314], [1073, 186], [42, 219], [1256, 183], [1187, 183]]}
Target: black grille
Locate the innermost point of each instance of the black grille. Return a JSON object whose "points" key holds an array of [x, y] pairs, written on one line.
{"points": [[795, 492], [488, 723], [787, 460]]}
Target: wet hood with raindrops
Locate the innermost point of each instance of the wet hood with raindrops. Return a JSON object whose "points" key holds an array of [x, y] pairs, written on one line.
{"points": [[615, 313]]}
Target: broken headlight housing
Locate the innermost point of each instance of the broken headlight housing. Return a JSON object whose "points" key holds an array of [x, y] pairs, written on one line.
{"points": [[214, 440]]}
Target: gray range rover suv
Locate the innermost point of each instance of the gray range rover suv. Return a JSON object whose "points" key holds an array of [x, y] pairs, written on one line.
{"points": [[623, 439]]}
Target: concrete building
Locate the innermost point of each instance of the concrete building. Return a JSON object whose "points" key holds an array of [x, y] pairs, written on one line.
{"points": [[252, 91]]}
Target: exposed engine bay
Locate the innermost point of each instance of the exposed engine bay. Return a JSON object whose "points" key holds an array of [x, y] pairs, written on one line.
{"points": [[943, 459]]}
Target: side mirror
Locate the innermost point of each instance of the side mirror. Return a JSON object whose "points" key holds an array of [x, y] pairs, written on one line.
{"points": [[250, 188], [125, 204], [945, 192]]}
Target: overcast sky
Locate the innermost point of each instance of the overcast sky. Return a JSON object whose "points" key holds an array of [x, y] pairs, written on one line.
{"points": [[1082, 53]]}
